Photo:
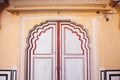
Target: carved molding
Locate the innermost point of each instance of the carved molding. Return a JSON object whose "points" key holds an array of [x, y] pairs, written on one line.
{"points": [[24, 3]]}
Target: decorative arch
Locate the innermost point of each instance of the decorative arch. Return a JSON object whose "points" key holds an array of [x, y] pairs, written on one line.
{"points": [[60, 37]]}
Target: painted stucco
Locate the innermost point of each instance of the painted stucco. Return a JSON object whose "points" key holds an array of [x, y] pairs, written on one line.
{"points": [[104, 36]]}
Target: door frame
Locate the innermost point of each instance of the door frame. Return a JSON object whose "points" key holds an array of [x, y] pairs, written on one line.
{"points": [[32, 38], [22, 59]]}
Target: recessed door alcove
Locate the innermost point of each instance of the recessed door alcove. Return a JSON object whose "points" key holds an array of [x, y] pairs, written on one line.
{"points": [[58, 50]]}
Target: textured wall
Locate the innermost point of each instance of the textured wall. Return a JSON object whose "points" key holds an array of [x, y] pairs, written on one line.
{"points": [[104, 36]]}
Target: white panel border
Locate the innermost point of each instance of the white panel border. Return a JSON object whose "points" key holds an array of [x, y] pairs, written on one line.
{"points": [[94, 55]]}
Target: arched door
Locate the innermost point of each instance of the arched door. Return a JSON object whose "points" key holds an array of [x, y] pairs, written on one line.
{"points": [[58, 50]]}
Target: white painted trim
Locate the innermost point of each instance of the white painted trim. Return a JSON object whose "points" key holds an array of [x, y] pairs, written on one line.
{"points": [[22, 52], [54, 17], [94, 59]]}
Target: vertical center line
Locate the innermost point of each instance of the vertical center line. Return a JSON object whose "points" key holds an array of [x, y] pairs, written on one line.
{"points": [[58, 50]]}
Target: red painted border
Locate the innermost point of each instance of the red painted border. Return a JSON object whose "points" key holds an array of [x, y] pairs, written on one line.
{"points": [[58, 50], [38, 39], [78, 39], [78, 35], [51, 42], [36, 31]]}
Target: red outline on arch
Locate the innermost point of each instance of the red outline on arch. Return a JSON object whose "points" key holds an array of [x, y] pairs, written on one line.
{"points": [[79, 38], [38, 38]]}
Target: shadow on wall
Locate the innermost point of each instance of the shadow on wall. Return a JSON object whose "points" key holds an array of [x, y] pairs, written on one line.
{"points": [[3, 5], [117, 7]]}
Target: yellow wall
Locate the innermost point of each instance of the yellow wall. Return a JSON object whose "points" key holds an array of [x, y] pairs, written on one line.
{"points": [[9, 40], [105, 37], [110, 41], [109, 53]]}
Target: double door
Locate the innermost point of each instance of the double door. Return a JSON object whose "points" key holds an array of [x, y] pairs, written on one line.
{"points": [[58, 50]]}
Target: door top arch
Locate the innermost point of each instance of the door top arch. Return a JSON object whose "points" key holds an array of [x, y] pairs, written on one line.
{"points": [[37, 30]]}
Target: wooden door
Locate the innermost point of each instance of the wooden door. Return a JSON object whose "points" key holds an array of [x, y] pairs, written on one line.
{"points": [[58, 50]]}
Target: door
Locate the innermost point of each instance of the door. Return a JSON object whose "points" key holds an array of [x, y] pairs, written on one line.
{"points": [[58, 50]]}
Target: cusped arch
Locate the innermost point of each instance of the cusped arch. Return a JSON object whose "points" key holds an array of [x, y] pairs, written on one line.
{"points": [[78, 30]]}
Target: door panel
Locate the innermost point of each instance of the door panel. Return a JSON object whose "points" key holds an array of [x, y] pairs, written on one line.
{"points": [[44, 44], [74, 69], [74, 58], [72, 42], [58, 50], [41, 53], [43, 69]]}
